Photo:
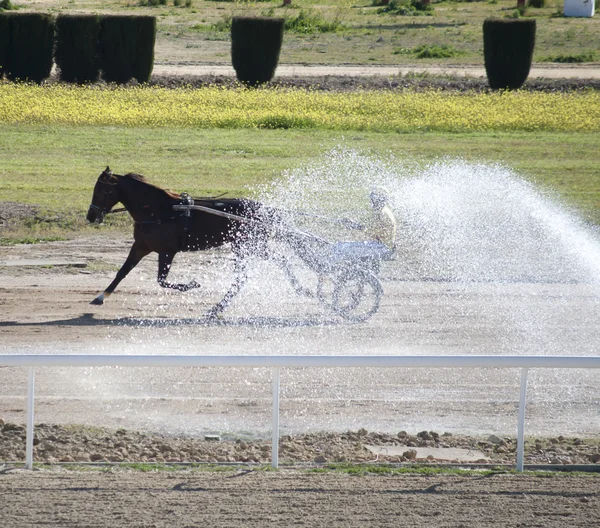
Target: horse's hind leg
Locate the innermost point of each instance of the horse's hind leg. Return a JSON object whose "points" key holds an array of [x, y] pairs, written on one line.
{"points": [[137, 253], [241, 276], [164, 265], [284, 264]]}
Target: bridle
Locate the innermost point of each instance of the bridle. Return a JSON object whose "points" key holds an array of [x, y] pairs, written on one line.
{"points": [[104, 210]]}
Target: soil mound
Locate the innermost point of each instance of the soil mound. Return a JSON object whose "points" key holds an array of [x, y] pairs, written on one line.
{"points": [[57, 443]]}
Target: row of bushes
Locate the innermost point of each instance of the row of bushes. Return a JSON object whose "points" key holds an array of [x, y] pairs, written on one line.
{"points": [[84, 47], [122, 48], [508, 49]]}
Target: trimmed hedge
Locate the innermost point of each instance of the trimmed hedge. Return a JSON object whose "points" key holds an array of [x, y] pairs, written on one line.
{"points": [[28, 45], [121, 46], [255, 46], [146, 37], [77, 48], [4, 22], [508, 50], [127, 48]]}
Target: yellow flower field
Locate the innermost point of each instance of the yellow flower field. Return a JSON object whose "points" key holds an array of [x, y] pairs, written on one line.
{"points": [[290, 108]]}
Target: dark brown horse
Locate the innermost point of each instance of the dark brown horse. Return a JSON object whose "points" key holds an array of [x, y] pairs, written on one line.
{"points": [[159, 228]]}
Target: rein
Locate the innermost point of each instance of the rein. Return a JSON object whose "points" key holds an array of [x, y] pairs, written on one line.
{"points": [[120, 210]]}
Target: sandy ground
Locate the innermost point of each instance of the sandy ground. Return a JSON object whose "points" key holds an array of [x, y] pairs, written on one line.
{"points": [[45, 309], [294, 498]]}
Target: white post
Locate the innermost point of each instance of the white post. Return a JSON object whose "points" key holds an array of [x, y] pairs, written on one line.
{"points": [[521, 425], [275, 420], [29, 433]]}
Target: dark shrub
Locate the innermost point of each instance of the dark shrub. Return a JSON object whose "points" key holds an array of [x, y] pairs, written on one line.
{"points": [[28, 53], [146, 36], [4, 41], [117, 48], [508, 50], [127, 48], [255, 46], [76, 53]]}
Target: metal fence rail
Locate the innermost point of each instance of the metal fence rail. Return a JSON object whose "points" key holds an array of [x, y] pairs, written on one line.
{"points": [[276, 363]]}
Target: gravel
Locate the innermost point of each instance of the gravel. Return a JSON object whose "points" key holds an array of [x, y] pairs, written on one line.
{"points": [[59, 443], [348, 84], [343, 83]]}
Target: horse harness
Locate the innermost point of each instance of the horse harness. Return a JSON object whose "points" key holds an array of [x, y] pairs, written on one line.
{"points": [[184, 219], [186, 215]]}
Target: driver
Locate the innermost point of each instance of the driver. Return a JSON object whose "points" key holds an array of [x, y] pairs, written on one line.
{"points": [[380, 232]]}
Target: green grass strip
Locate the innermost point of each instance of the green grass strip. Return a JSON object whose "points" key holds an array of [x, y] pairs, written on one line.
{"points": [[379, 111]]}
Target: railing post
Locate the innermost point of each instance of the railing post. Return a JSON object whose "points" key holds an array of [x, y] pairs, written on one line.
{"points": [[521, 424], [29, 433], [275, 372]]}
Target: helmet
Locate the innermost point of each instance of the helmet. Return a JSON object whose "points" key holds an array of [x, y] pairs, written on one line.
{"points": [[379, 196]]}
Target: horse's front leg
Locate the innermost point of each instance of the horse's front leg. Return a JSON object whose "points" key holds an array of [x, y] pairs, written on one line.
{"points": [[164, 265], [241, 276], [137, 253]]}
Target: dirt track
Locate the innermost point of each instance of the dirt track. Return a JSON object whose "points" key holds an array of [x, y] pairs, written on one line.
{"points": [[294, 498], [45, 309]]}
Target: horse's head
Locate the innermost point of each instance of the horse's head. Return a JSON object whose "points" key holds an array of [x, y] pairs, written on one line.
{"points": [[106, 196]]}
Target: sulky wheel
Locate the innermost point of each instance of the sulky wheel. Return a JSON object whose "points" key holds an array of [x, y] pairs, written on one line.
{"points": [[356, 295], [325, 287]]}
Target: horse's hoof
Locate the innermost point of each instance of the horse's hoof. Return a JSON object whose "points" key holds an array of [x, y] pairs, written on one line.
{"points": [[98, 300], [214, 313]]}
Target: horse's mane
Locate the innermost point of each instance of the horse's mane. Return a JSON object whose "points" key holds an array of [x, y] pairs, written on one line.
{"points": [[142, 179]]}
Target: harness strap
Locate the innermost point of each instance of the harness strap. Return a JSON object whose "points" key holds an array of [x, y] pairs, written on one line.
{"points": [[119, 210]]}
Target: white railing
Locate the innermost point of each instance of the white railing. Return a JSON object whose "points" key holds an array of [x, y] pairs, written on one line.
{"points": [[276, 363]]}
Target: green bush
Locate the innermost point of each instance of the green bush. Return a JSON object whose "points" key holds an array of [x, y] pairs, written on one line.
{"points": [[537, 3], [29, 41], [127, 48], [311, 21], [76, 51], [6, 5], [255, 46], [428, 51], [223, 25], [406, 8], [586, 56], [508, 49]]}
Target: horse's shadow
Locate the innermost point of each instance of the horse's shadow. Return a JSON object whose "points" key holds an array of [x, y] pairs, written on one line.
{"points": [[88, 319]]}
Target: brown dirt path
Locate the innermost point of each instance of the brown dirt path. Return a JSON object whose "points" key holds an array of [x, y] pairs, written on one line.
{"points": [[294, 498], [45, 309], [587, 71]]}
